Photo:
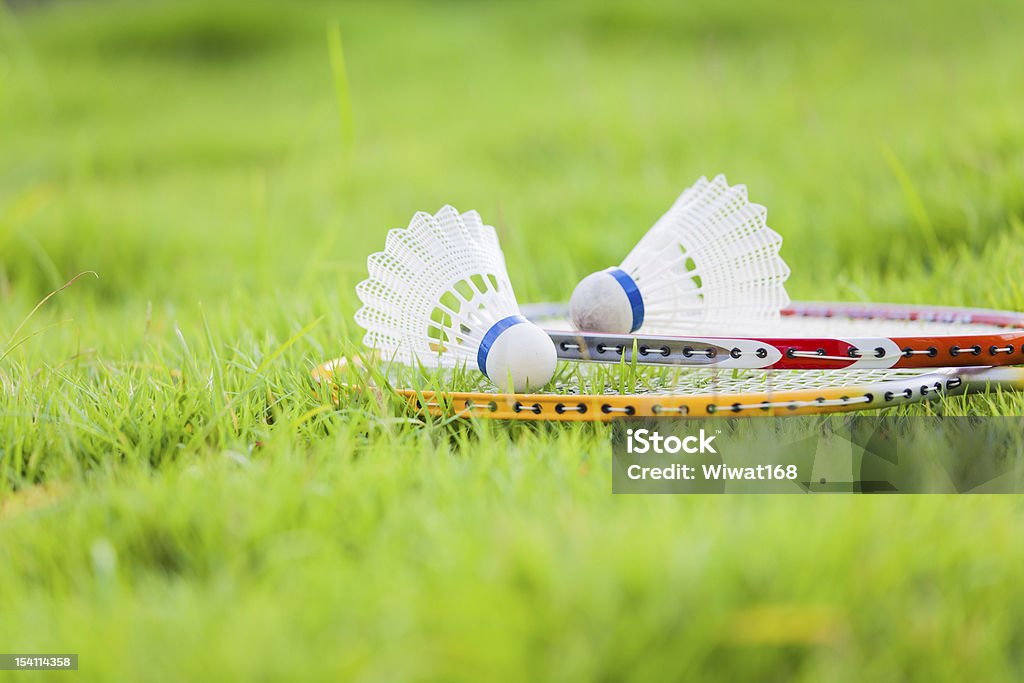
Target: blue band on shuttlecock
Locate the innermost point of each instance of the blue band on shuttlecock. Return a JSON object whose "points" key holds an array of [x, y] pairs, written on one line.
{"points": [[636, 302], [491, 336]]}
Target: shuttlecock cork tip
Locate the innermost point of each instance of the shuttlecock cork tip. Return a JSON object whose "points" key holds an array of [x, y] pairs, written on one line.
{"points": [[517, 351], [607, 301]]}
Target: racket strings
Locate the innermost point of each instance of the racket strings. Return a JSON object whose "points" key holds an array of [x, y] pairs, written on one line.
{"points": [[793, 326], [590, 380]]}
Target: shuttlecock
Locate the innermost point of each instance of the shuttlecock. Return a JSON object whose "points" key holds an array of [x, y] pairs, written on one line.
{"points": [[439, 295], [710, 263]]}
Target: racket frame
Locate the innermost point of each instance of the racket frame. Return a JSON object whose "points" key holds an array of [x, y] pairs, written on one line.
{"points": [[809, 353], [604, 407]]}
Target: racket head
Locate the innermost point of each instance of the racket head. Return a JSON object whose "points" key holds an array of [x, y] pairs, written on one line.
{"points": [[813, 336], [700, 393]]}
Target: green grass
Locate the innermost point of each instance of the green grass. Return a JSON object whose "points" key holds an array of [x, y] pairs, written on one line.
{"points": [[178, 502]]}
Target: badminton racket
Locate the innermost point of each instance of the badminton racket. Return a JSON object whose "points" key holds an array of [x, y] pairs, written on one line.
{"points": [[700, 392], [813, 336]]}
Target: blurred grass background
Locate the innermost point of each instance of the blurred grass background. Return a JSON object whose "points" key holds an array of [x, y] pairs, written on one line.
{"points": [[176, 503]]}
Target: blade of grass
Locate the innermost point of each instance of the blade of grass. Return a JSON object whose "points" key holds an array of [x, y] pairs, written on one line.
{"points": [[341, 90], [40, 305], [913, 199]]}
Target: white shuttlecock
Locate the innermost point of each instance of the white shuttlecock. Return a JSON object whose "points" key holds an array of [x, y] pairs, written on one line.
{"points": [[439, 295], [711, 262]]}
